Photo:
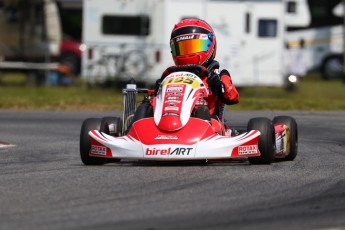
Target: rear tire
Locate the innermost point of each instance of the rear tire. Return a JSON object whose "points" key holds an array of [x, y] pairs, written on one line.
{"points": [[203, 113], [143, 111], [85, 142], [293, 136], [266, 141]]}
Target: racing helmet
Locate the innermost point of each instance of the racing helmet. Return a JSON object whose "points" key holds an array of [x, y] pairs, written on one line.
{"points": [[193, 41]]}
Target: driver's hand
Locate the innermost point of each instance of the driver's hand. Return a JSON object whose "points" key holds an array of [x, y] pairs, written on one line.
{"points": [[216, 85]]}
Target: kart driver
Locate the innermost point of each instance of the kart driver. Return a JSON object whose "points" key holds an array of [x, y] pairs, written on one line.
{"points": [[193, 42]]}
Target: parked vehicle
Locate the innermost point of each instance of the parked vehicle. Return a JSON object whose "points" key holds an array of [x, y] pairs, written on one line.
{"points": [[33, 35], [318, 44], [250, 37], [32, 39], [70, 55]]}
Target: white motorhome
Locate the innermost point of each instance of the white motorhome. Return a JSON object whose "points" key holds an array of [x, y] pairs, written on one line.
{"points": [[317, 45], [249, 37]]}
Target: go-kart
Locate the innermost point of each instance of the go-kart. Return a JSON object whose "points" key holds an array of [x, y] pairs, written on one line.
{"points": [[173, 123]]}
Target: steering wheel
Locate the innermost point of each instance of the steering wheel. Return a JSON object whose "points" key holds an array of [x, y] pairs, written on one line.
{"points": [[198, 70]]}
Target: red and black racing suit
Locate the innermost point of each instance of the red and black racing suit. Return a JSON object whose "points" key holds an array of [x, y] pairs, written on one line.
{"points": [[217, 100]]}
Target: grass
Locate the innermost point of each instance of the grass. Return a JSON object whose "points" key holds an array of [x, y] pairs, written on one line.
{"points": [[313, 94]]}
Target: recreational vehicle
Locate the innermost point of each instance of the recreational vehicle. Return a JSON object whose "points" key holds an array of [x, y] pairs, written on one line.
{"points": [[127, 39], [317, 46]]}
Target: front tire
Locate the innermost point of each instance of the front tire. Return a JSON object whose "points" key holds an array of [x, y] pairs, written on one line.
{"points": [[85, 142], [293, 135], [266, 141]]}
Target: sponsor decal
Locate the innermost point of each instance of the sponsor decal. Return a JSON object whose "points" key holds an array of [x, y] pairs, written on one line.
{"points": [[190, 75], [166, 137], [282, 143], [175, 89], [203, 36], [173, 99], [171, 108], [174, 94], [247, 149], [168, 151], [185, 38], [98, 150], [171, 114]]}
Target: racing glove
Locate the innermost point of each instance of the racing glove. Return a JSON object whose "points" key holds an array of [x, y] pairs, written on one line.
{"points": [[216, 85]]}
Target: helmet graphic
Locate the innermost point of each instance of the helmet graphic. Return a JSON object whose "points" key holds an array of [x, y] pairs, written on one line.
{"points": [[193, 42]]}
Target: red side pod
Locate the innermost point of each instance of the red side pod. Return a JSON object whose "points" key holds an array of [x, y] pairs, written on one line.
{"points": [[217, 126], [132, 134], [99, 150], [249, 149]]}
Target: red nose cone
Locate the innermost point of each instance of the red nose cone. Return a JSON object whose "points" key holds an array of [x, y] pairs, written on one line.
{"points": [[170, 123]]}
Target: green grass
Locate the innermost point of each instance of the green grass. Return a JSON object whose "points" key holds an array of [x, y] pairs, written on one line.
{"points": [[313, 94]]}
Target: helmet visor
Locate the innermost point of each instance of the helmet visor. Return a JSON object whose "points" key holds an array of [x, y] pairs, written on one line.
{"points": [[190, 44]]}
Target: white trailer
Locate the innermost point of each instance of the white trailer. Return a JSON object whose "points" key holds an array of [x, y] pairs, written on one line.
{"points": [[318, 44], [250, 38]]}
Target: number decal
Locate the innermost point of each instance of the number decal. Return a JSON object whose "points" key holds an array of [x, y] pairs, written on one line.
{"points": [[187, 79], [179, 80]]}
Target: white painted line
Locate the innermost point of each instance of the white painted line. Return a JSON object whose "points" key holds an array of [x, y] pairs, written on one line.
{"points": [[5, 145]]}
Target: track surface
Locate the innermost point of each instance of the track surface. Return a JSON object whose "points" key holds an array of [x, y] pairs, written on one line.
{"points": [[43, 184]]}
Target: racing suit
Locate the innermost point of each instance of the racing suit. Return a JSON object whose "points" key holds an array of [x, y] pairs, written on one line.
{"points": [[222, 92]]}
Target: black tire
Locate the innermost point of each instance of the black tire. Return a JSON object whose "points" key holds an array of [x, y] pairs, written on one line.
{"points": [[266, 141], [203, 113], [293, 135], [144, 110], [85, 142], [332, 67]]}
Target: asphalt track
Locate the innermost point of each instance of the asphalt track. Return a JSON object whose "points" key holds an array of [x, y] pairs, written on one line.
{"points": [[43, 184]]}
